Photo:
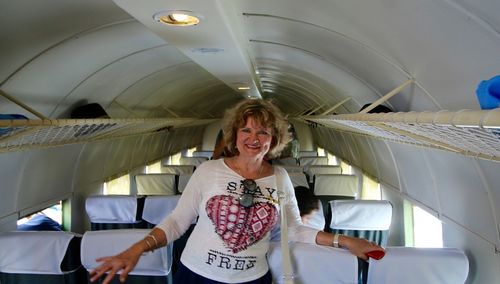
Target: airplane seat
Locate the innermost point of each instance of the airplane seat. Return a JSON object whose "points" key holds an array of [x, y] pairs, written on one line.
{"points": [[288, 161], [157, 208], [207, 154], [316, 160], [183, 181], [313, 170], [114, 212], [192, 161], [153, 267], [308, 154], [298, 179], [367, 219], [312, 264], [177, 169], [293, 168], [156, 184], [419, 265], [328, 187], [44, 257]]}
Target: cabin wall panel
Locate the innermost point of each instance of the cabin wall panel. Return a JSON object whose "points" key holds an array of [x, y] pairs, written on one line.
{"points": [[484, 263], [490, 171], [304, 135], [415, 176], [47, 175], [387, 167], [11, 174], [210, 135], [396, 231], [460, 188]]}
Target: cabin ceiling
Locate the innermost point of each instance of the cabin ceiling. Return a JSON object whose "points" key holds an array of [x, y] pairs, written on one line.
{"points": [[307, 55]]}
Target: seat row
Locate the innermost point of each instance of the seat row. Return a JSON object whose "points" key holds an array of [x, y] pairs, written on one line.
{"points": [[43, 257]]}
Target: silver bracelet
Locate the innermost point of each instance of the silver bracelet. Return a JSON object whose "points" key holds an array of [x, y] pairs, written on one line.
{"points": [[335, 242]]}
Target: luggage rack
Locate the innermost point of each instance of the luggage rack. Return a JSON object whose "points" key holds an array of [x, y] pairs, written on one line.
{"points": [[467, 132], [23, 134]]}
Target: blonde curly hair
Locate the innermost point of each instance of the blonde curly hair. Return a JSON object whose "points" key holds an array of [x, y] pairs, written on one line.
{"points": [[263, 112]]}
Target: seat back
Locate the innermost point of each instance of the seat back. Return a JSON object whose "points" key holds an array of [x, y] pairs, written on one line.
{"points": [[368, 219], [419, 265], [313, 170], [112, 211], [177, 169], [97, 244], [157, 208], [314, 264], [206, 154], [309, 161], [195, 161], [183, 181], [156, 184], [298, 179], [336, 184], [40, 257]]}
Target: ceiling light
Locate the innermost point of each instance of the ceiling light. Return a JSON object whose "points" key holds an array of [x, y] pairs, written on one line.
{"points": [[243, 88], [177, 18]]}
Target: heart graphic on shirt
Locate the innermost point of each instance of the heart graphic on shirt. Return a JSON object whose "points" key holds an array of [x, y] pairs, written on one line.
{"points": [[240, 227]]}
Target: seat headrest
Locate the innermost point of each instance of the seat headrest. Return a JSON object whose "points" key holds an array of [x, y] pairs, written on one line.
{"points": [[155, 184], [419, 265], [111, 208], [97, 244], [361, 214], [157, 208], [314, 264], [33, 252], [335, 184]]}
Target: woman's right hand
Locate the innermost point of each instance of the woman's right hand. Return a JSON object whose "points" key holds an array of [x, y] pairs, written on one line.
{"points": [[124, 262]]}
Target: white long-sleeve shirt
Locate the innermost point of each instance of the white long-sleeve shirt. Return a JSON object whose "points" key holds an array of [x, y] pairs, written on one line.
{"points": [[230, 242]]}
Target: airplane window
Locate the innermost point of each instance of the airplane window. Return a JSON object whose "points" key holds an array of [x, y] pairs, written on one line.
{"points": [[174, 159], [332, 160], [370, 189], [321, 152], [422, 229], [46, 219], [120, 185], [427, 229], [189, 152], [346, 168], [154, 168]]}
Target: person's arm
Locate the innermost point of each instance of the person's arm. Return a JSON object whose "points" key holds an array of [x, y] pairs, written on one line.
{"points": [[127, 260], [358, 247]]}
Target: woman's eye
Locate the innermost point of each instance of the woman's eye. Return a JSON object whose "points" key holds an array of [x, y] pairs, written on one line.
{"points": [[263, 132], [246, 130]]}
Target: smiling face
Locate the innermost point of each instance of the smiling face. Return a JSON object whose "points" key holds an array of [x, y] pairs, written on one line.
{"points": [[253, 139]]}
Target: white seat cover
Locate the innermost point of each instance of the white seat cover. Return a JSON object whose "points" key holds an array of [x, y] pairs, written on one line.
{"points": [[183, 181], [313, 170], [97, 244], [177, 169], [419, 265], [33, 252], [314, 264], [344, 185], [298, 179], [111, 208], [195, 161], [155, 184], [157, 208], [361, 214], [307, 161]]}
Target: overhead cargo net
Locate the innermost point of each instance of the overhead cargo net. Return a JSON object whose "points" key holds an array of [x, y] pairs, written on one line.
{"points": [[22, 134], [468, 132]]}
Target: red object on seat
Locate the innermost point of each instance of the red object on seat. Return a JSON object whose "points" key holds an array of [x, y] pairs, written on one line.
{"points": [[376, 254]]}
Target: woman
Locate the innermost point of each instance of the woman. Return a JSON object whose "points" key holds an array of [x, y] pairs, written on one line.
{"points": [[236, 202]]}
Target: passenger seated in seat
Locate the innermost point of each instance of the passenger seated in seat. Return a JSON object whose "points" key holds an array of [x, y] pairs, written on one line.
{"points": [[39, 222], [236, 201], [307, 202]]}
